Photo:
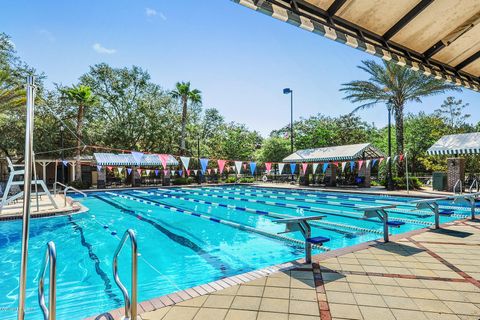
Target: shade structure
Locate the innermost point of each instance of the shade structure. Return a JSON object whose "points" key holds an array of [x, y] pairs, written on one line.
{"points": [[112, 159], [440, 38], [338, 153], [454, 144]]}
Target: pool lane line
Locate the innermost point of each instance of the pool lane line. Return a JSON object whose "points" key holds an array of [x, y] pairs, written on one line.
{"points": [[420, 214], [331, 195], [320, 224], [221, 221], [214, 261], [98, 269], [346, 214]]}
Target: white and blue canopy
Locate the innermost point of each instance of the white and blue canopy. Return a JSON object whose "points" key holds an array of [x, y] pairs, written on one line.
{"points": [[454, 144], [337, 153]]}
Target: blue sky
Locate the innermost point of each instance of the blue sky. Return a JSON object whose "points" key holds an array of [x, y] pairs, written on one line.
{"points": [[240, 59]]}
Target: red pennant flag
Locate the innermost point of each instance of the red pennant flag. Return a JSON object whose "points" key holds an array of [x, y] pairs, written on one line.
{"points": [[221, 165], [380, 161], [139, 171], [163, 159], [165, 172], [109, 168], [244, 166], [188, 172], [360, 163], [268, 166], [401, 157], [304, 167], [209, 171]]}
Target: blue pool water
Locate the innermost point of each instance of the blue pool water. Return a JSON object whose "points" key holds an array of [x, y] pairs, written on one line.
{"points": [[182, 240]]}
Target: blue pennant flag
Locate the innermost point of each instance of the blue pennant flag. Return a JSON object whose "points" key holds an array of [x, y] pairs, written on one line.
{"points": [[157, 172], [373, 162], [204, 163], [180, 172], [352, 165], [325, 166], [293, 166], [253, 165], [129, 170]]}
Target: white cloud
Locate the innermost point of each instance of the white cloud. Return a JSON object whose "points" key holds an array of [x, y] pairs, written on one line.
{"points": [[101, 49], [47, 34], [162, 16], [150, 12]]}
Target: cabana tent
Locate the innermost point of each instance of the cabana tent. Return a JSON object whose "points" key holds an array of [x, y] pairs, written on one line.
{"points": [[438, 38]]}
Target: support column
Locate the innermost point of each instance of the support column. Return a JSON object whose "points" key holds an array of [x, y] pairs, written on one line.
{"points": [[101, 178], [455, 171], [364, 172], [73, 170], [332, 174]]}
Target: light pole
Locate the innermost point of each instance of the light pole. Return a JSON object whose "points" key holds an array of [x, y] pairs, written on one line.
{"points": [[389, 173], [290, 91], [198, 155], [62, 153]]}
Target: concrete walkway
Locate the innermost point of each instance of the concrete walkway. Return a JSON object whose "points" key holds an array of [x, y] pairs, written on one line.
{"points": [[425, 275]]}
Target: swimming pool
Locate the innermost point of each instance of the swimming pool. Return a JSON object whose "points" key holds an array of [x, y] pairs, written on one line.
{"points": [[186, 237]]}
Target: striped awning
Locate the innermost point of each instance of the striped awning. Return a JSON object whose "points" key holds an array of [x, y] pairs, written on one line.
{"points": [[440, 38], [148, 160], [338, 153], [466, 143]]}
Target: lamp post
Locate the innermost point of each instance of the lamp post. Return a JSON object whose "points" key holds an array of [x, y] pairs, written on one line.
{"points": [[62, 153], [389, 173], [198, 156], [290, 91]]}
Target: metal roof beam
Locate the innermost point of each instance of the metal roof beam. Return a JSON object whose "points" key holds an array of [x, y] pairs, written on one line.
{"points": [[422, 5], [434, 49], [335, 6], [467, 61]]}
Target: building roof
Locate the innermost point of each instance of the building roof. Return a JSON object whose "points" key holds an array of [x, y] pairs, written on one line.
{"points": [[127, 159], [466, 143], [338, 153], [438, 38]]}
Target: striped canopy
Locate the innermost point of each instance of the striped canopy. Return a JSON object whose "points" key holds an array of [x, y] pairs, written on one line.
{"points": [[439, 38], [338, 153], [467, 143], [148, 160]]}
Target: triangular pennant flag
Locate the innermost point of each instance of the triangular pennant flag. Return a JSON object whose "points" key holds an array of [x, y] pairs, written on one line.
{"points": [[204, 164], [293, 166], [172, 172], [253, 166], [180, 172], [185, 161], [388, 159], [268, 166], [165, 172], [373, 162], [147, 172], [280, 167], [360, 164], [99, 168], [109, 168], [188, 172], [65, 163], [215, 170], [221, 165], [120, 169], [157, 172], [401, 157], [129, 170], [163, 158], [314, 167], [244, 167], [352, 165], [137, 156], [367, 163], [209, 171], [344, 164], [139, 171], [395, 158], [238, 166], [380, 161], [195, 172], [304, 167], [325, 166]]}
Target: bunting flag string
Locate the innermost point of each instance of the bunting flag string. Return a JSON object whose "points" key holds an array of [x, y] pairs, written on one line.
{"points": [[165, 173], [268, 166], [185, 161], [139, 171], [253, 166], [360, 164], [215, 170], [172, 172], [293, 166], [388, 159], [109, 168], [163, 158], [244, 167], [400, 157], [221, 165], [352, 165], [195, 172], [367, 163], [204, 163], [65, 163], [304, 167], [157, 172], [373, 162], [209, 171], [380, 161], [147, 172], [344, 164], [188, 172], [280, 167], [129, 171], [238, 166], [314, 167], [120, 169], [180, 172], [325, 166]]}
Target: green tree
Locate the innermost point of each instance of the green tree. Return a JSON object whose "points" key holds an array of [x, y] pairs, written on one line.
{"points": [[452, 112], [274, 149], [82, 98], [392, 84], [185, 94]]}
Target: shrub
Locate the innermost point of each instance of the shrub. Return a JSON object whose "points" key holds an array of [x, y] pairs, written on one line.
{"points": [[246, 180], [230, 180], [77, 184], [182, 181], [401, 183]]}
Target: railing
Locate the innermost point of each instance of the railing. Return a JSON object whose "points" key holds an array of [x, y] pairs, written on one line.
{"points": [[66, 190], [49, 313], [458, 183], [473, 185], [130, 305]]}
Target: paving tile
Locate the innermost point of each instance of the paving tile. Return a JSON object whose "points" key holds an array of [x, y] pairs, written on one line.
{"points": [[156, 314], [278, 282], [364, 299], [391, 291], [256, 282], [337, 286], [441, 316], [302, 283], [345, 311], [233, 314], [450, 295], [262, 315], [341, 297], [276, 292], [300, 317], [431, 305], [420, 293], [228, 291], [302, 294], [274, 305], [375, 313], [302, 275], [250, 291], [363, 288], [194, 302], [308, 308], [463, 308], [401, 314], [214, 301], [210, 314], [400, 302], [184, 313], [246, 303]]}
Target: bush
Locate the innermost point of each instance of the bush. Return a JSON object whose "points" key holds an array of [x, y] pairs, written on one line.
{"points": [[77, 184], [401, 183], [246, 180], [230, 180], [182, 181]]}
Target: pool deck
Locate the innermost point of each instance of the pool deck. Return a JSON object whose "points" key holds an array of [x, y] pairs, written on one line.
{"points": [[424, 274]]}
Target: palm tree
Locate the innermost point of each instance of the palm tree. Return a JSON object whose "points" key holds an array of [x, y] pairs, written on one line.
{"points": [[12, 94], [82, 97], [185, 94], [392, 84]]}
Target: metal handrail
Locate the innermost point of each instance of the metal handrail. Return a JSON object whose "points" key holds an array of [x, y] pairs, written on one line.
{"points": [[459, 182], [49, 313], [130, 305], [474, 184], [66, 190]]}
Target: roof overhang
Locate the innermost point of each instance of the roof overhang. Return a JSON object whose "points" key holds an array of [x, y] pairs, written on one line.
{"points": [[455, 144], [336, 153], [439, 38]]}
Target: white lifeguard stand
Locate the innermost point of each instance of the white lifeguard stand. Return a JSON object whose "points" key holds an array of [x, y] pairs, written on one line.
{"points": [[18, 170]]}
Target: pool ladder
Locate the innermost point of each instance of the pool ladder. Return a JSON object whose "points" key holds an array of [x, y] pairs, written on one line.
{"points": [[50, 260]]}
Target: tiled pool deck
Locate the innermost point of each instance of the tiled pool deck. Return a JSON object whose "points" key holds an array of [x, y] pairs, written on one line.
{"points": [[420, 275]]}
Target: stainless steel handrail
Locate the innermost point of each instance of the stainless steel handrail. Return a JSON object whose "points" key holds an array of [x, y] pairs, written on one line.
{"points": [[66, 190], [49, 313], [130, 305], [474, 184], [459, 181]]}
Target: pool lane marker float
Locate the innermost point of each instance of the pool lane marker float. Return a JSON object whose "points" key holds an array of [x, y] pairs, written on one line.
{"points": [[221, 221], [330, 196], [347, 214], [421, 213], [263, 212]]}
